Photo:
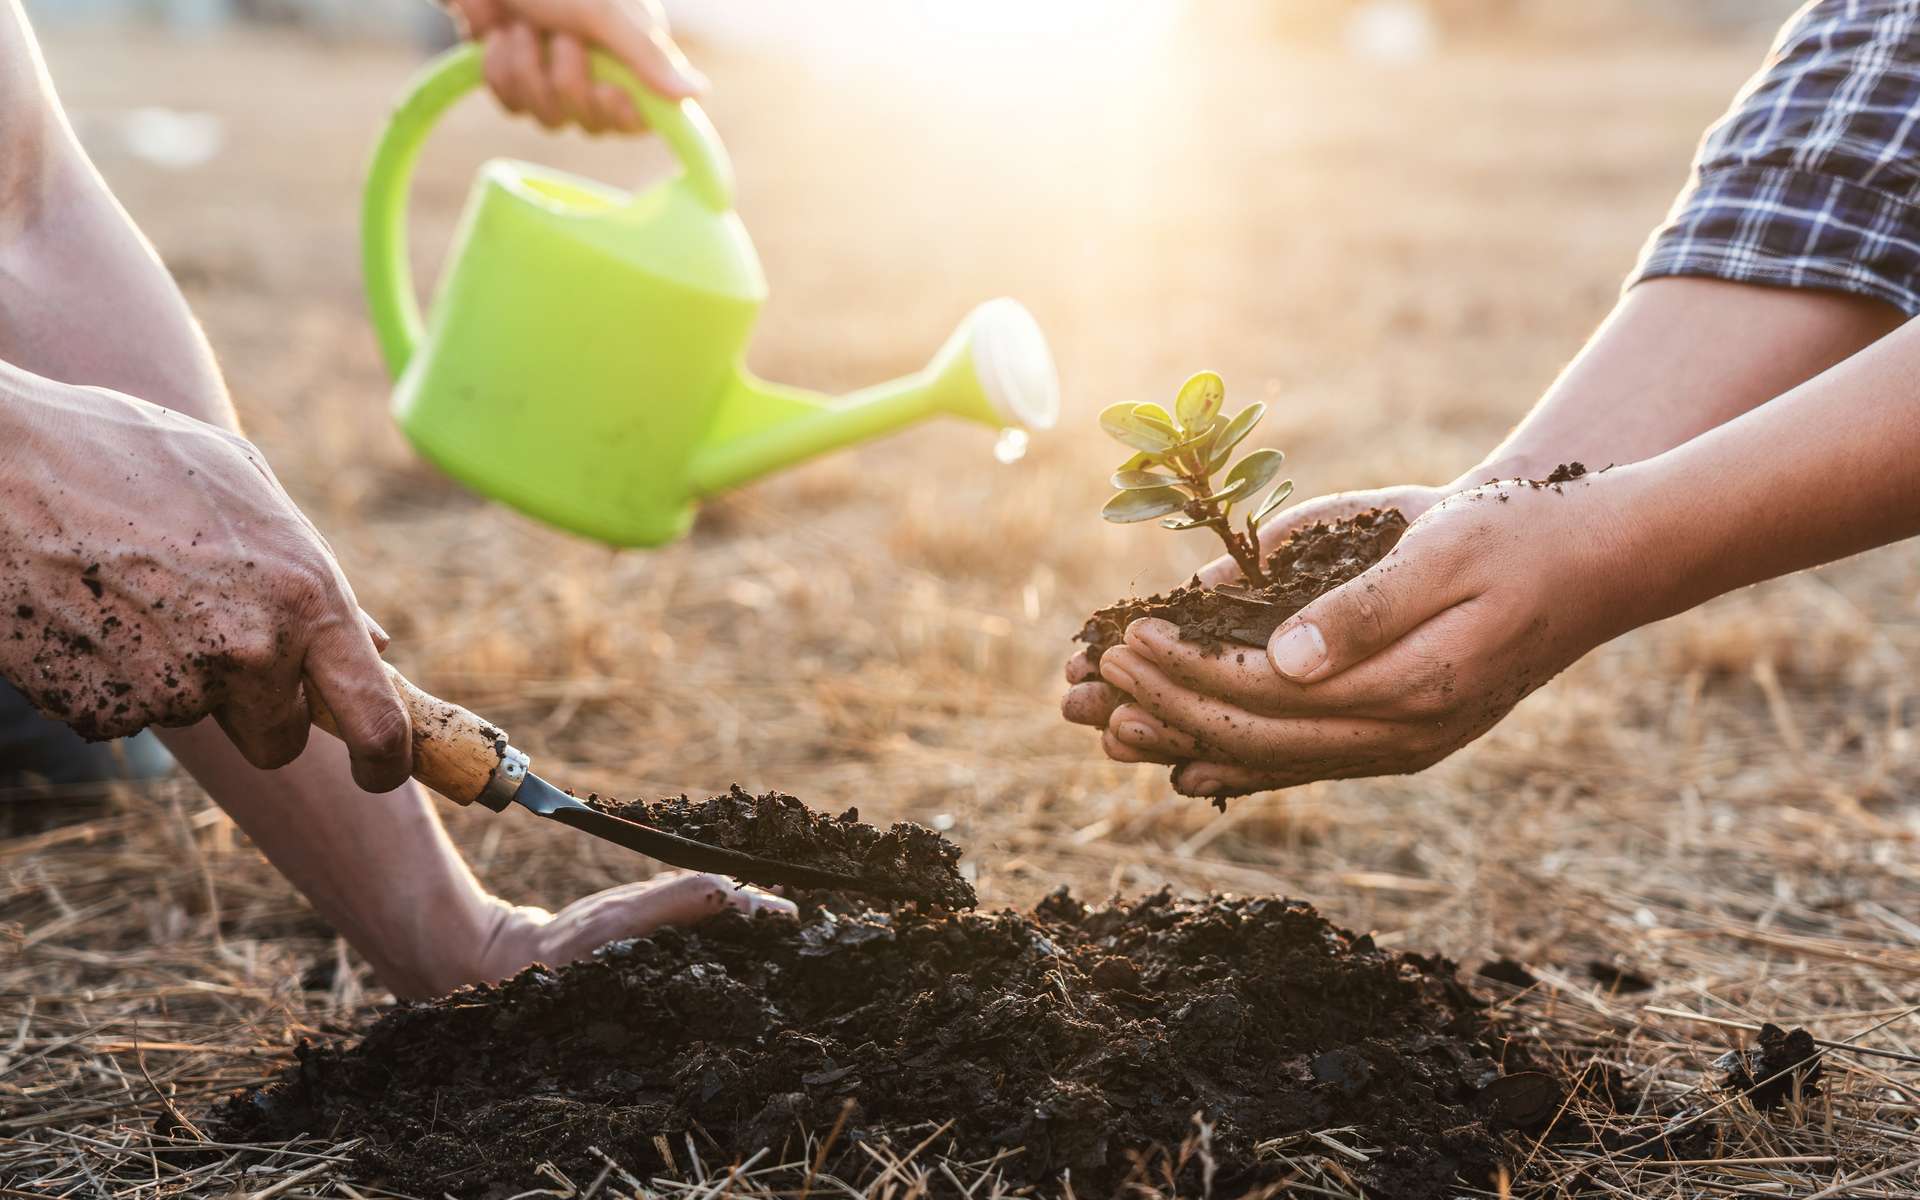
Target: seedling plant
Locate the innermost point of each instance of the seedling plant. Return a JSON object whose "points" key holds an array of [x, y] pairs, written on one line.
{"points": [[1177, 458]]}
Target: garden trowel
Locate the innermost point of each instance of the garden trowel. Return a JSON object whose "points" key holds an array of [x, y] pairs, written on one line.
{"points": [[469, 760]]}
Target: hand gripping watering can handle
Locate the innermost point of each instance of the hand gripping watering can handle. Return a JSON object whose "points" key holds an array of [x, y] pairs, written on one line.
{"points": [[383, 221], [454, 752]]}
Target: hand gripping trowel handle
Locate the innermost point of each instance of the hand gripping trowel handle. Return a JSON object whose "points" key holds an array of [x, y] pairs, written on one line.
{"points": [[466, 759], [455, 753]]}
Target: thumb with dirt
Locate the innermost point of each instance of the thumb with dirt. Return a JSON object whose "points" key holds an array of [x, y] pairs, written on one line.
{"points": [[158, 574]]}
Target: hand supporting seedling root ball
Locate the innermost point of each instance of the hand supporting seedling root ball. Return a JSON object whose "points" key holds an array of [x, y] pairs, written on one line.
{"points": [[1367, 633]]}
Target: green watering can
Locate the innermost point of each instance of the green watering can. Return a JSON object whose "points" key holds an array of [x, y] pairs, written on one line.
{"points": [[584, 361]]}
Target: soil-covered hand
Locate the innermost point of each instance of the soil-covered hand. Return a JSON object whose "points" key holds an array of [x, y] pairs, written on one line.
{"points": [[1090, 701], [1488, 595], [525, 934], [536, 57], [156, 573]]}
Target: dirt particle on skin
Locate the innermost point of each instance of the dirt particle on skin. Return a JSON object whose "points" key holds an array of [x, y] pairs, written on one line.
{"points": [[906, 861], [1070, 1039]]}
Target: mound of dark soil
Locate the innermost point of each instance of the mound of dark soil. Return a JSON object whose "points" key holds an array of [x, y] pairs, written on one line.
{"points": [[908, 861], [1311, 561], [1075, 1040]]}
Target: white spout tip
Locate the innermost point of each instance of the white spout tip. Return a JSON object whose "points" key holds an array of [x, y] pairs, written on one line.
{"points": [[1014, 366]]}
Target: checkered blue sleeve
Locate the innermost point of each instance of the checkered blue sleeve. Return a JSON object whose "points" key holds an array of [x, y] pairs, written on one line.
{"points": [[1812, 178]]}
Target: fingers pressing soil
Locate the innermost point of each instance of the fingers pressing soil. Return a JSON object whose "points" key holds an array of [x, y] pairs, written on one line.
{"points": [[1309, 562], [1068, 1040], [905, 862]]}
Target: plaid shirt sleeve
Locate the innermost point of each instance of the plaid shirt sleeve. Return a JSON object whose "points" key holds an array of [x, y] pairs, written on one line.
{"points": [[1812, 178]]}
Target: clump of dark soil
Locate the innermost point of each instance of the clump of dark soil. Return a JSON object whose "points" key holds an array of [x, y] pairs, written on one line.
{"points": [[1309, 562], [1073, 1040], [908, 861], [1773, 1068]]}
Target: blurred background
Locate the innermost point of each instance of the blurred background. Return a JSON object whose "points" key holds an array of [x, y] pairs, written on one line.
{"points": [[1393, 221]]}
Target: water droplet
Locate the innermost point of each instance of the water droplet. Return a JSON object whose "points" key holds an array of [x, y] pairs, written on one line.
{"points": [[1012, 446]]}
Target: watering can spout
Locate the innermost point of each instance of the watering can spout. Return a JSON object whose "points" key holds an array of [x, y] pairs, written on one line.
{"points": [[995, 369]]}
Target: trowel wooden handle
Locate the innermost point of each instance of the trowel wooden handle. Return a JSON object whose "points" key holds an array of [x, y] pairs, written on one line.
{"points": [[454, 752]]}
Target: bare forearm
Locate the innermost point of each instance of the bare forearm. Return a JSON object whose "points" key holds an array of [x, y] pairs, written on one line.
{"points": [[85, 301], [1827, 470], [88, 304], [1676, 358], [380, 869], [83, 297]]}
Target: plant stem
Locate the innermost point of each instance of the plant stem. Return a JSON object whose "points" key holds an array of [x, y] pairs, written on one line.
{"points": [[1244, 550]]}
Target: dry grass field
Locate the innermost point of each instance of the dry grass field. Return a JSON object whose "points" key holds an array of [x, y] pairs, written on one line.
{"points": [[1397, 259]]}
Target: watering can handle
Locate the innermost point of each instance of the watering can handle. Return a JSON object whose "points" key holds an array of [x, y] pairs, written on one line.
{"points": [[383, 219]]}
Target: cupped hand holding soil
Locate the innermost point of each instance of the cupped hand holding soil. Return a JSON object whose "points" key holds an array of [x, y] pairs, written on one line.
{"points": [[156, 573], [1491, 593], [1091, 701], [1220, 619]]}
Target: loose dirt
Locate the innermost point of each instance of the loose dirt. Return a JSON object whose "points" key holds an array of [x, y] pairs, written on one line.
{"points": [[1311, 561], [906, 861], [1781, 1063], [1191, 1039]]}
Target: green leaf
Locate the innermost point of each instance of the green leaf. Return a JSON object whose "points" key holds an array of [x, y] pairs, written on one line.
{"points": [[1230, 491], [1191, 455], [1129, 429], [1127, 507], [1256, 470], [1153, 412], [1197, 451], [1199, 401], [1133, 481], [1180, 523], [1274, 500], [1235, 432], [1153, 417]]}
